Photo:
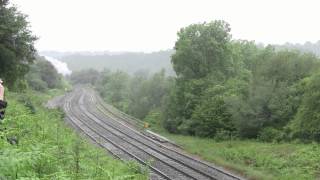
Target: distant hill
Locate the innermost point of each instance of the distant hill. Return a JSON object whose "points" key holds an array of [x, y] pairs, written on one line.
{"points": [[306, 47], [131, 62], [126, 61]]}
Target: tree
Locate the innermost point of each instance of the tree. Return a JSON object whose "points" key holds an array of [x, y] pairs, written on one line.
{"points": [[202, 58], [115, 89], [306, 124], [43, 75], [16, 44], [147, 93], [202, 49]]}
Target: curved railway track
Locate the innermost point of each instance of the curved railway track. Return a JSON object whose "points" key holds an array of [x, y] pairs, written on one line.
{"points": [[86, 112]]}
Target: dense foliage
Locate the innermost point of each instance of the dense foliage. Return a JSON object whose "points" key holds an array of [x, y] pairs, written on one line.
{"points": [[16, 45]]}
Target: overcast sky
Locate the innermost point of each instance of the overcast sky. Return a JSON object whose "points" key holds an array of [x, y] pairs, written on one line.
{"points": [[151, 25]]}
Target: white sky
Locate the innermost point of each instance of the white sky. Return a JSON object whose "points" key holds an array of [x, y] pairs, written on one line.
{"points": [[151, 25]]}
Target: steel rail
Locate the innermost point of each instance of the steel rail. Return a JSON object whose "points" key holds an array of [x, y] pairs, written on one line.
{"points": [[101, 104]]}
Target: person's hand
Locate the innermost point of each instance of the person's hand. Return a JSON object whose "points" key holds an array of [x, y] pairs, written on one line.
{"points": [[1, 92]]}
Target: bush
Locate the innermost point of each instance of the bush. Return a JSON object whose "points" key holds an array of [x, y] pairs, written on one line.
{"points": [[38, 85], [270, 134], [154, 117], [212, 115]]}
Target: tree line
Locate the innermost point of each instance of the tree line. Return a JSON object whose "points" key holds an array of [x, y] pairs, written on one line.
{"points": [[223, 88], [129, 62], [306, 47]]}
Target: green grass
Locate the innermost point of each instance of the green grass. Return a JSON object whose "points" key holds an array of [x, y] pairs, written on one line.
{"points": [[256, 160], [48, 149]]}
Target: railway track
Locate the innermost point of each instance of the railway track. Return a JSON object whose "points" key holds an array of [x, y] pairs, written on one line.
{"points": [[86, 112]]}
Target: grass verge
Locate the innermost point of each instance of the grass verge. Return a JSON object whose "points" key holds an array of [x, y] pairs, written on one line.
{"points": [[36, 144], [256, 160]]}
